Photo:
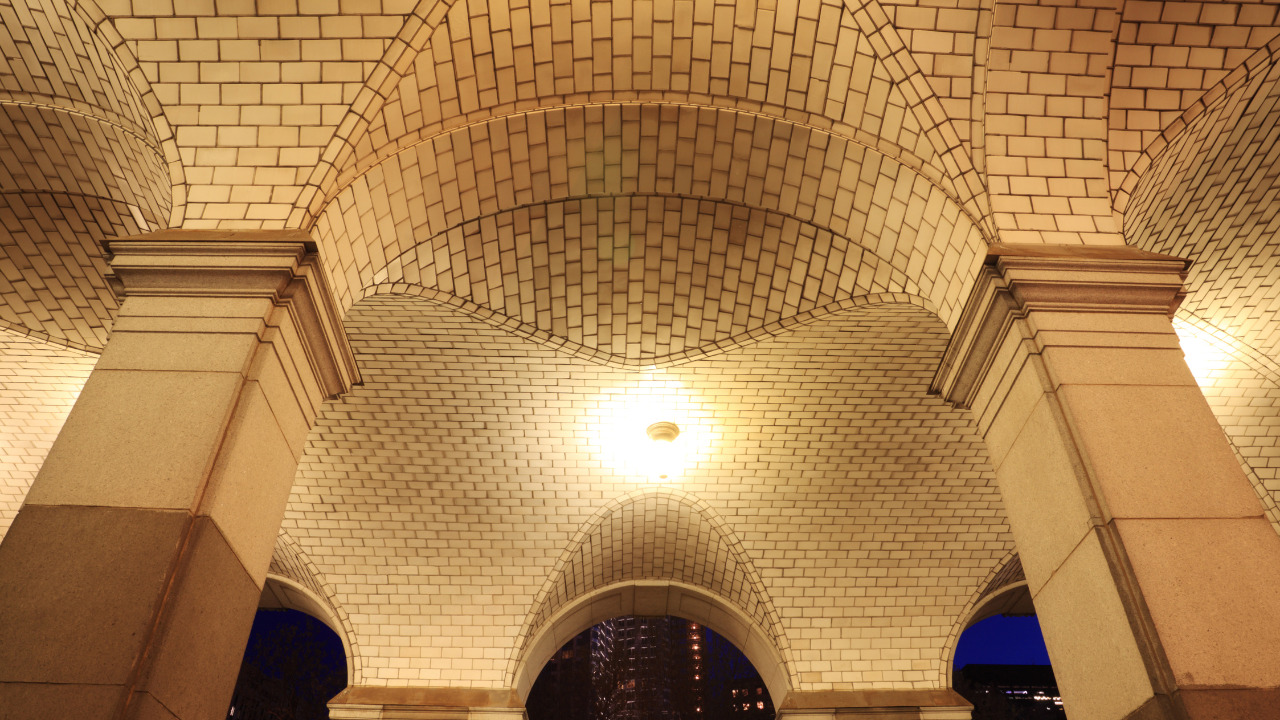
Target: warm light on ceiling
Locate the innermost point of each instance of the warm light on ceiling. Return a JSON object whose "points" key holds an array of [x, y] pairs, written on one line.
{"points": [[665, 460], [1205, 354], [624, 416]]}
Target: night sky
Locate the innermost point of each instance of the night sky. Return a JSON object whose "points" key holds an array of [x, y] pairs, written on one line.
{"points": [[1003, 640], [290, 652], [292, 666]]}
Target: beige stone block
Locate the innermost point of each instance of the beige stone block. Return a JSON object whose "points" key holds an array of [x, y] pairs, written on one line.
{"points": [[651, 599], [145, 707], [1008, 361], [250, 483], [1096, 660], [38, 701], [1157, 452], [138, 439], [80, 590], [1009, 416], [1126, 322], [191, 352], [690, 606], [293, 359], [293, 414], [194, 325], [1106, 339], [1117, 366], [1040, 486], [1230, 703], [196, 307], [1213, 588], [200, 642]]}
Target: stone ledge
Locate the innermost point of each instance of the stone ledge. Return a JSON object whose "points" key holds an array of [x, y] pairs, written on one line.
{"points": [[940, 704], [428, 696]]}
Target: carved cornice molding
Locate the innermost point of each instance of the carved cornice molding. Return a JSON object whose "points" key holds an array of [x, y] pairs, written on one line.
{"points": [[282, 266], [1015, 280]]}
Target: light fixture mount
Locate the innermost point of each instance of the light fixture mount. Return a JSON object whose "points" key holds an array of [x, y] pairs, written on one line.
{"points": [[664, 430]]}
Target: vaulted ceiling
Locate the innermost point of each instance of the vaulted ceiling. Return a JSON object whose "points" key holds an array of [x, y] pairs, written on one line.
{"points": [[552, 165], [767, 214]]}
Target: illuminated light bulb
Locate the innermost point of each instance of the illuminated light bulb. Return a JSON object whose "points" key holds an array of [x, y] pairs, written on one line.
{"points": [[665, 457]]}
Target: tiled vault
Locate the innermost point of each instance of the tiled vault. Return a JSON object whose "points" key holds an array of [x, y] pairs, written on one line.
{"points": [[1212, 197], [658, 534], [438, 497], [821, 64], [550, 222], [80, 161]]}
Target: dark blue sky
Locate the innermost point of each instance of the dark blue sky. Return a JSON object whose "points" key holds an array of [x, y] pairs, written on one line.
{"points": [[1003, 640]]}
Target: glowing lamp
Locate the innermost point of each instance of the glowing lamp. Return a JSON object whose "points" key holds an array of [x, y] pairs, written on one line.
{"points": [[665, 458]]}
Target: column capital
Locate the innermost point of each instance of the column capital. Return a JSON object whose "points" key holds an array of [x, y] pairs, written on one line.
{"points": [[1017, 279], [282, 266]]}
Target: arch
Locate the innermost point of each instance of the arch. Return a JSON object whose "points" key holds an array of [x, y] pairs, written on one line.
{"points": [[538, 254], [1209, 196], [282, 593], [87, 164], [395, 62], [1212, 101], [865, 20], [294, 582], [162, 131], [682, 542], [103, 119], [1225, 346], [914, 85], [655, 597], [39, 383], [977, 103], [734, 342], [1004, 590], [879, 168], [440, 349]]}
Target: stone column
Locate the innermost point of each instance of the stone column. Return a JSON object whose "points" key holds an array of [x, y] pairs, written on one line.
{"points": [[129, 579], [1155, 574]]}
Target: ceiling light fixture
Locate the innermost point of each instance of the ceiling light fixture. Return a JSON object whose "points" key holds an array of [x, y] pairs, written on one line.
{"points": [[666, 457]]}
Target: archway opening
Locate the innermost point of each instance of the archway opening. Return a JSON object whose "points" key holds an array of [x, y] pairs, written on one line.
{"points": [[1002, 667], [293, 665], [637, 667]]}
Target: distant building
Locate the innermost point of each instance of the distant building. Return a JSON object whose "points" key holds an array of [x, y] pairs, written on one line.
{"points": [[749, 700], [648, 668], [569, 668], [1010, 692], [631, 668]]}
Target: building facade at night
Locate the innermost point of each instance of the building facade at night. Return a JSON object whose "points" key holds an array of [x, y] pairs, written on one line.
{"points": [[648, 668], [1010, 692], [366, 309]]}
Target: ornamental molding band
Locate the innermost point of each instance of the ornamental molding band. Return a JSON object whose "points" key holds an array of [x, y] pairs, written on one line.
{"points": [[943, 704], [283, 266], [1016, 279]]}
